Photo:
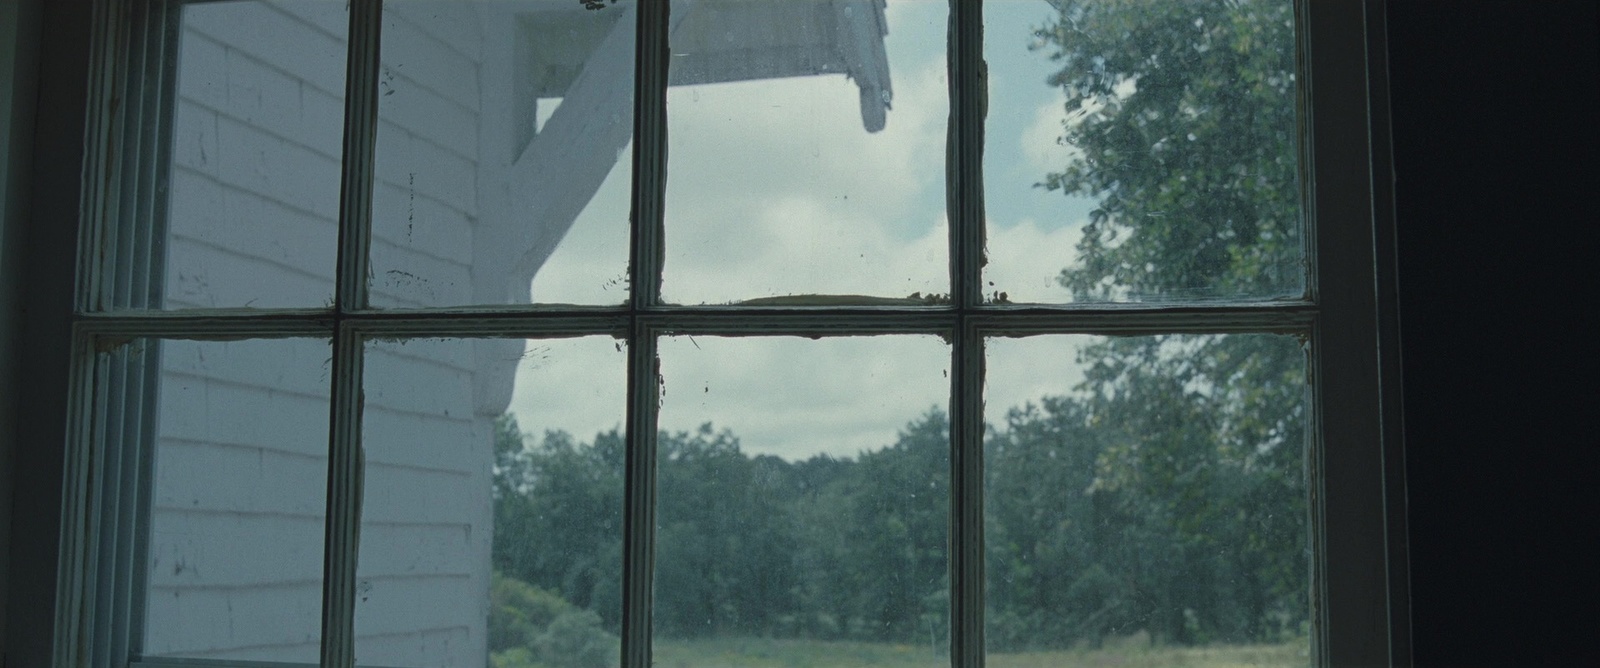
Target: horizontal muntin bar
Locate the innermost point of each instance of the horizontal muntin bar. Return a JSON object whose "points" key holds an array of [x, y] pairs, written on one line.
{"points": [[740, 320], [1027, 321], [206, 326]]}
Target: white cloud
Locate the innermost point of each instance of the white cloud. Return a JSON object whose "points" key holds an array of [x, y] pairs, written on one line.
{"points": [[1041, 140], [1018, 371], [774, 187], [573, 385], [796, 397], [1024, 260]]}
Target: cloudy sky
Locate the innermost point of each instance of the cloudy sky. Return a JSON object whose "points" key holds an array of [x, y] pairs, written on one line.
{"points": [[776, 188]]}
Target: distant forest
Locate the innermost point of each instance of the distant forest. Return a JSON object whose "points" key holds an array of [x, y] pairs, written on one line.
{"points": [[1105, 515]]}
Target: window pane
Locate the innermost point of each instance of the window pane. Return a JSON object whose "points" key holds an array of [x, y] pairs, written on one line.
{"points": [[803, 502], [807, 151], [240, 433], [502, 153], [1142, 151], [255, 148], [1145, 501], [491, 525]]}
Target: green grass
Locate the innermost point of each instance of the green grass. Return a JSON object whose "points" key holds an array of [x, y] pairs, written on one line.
{"points": [[762, 653], [1219, 656]]}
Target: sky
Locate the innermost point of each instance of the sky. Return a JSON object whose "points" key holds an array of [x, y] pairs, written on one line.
{"points": [[775, 187]]}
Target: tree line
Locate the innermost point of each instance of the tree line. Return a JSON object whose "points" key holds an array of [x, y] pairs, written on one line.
{"points": [[1102, 518]]}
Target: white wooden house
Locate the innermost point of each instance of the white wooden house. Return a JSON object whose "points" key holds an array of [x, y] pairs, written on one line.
{"points": [[471, 198]]}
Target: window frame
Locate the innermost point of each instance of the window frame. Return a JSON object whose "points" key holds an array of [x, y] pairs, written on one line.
{"points": [[1360, 597]]}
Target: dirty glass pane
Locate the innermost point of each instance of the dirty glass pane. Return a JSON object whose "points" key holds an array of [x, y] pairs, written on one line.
{"points": [[1145, 501], [237, 435], [806, 151], [252, 198], [503, 159], [803, 502], [1142, 151], [491, 525]]}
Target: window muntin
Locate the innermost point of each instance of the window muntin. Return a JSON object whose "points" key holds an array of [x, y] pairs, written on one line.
{"points": [[964, 322]]}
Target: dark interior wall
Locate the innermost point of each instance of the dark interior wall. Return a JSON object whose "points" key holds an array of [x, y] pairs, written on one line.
{"points": [[42, 343], [1495, 107]]}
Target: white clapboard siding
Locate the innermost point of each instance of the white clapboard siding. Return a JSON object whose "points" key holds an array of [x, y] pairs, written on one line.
{"points": [[425, 191], [279, 33], [437, 53], [237, 515], [270, 481], [423, 225], [236, 529], [232, 218], [271, 622], [426, 514], [228, 550]]}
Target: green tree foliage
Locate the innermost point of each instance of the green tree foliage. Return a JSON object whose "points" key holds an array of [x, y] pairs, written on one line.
{"points": [[719, 533], [1103, 518], [1183, 117], [533, 628], [820, 548], [1159, 502], [898, 514], [558, 516], [1183, 114], [747, 546]]}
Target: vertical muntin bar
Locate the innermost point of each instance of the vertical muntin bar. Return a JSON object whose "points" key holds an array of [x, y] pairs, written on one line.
{"points": [[651, 57], [639, 526], [966, 494], [345, 461], [360, 138], [343, 520], [964, 167], [964, 152]]}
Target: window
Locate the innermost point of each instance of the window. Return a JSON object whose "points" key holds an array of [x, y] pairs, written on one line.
{"points": [[310, 293]]}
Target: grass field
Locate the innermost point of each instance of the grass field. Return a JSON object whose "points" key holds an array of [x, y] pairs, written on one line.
{"points": [[760, 653]]}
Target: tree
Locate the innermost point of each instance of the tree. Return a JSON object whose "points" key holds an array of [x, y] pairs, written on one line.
{"points": [[897, 532], [1183, 117], [1183, 114], [558, 516], [1047, 545], [724, 543], [531, 627]]}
